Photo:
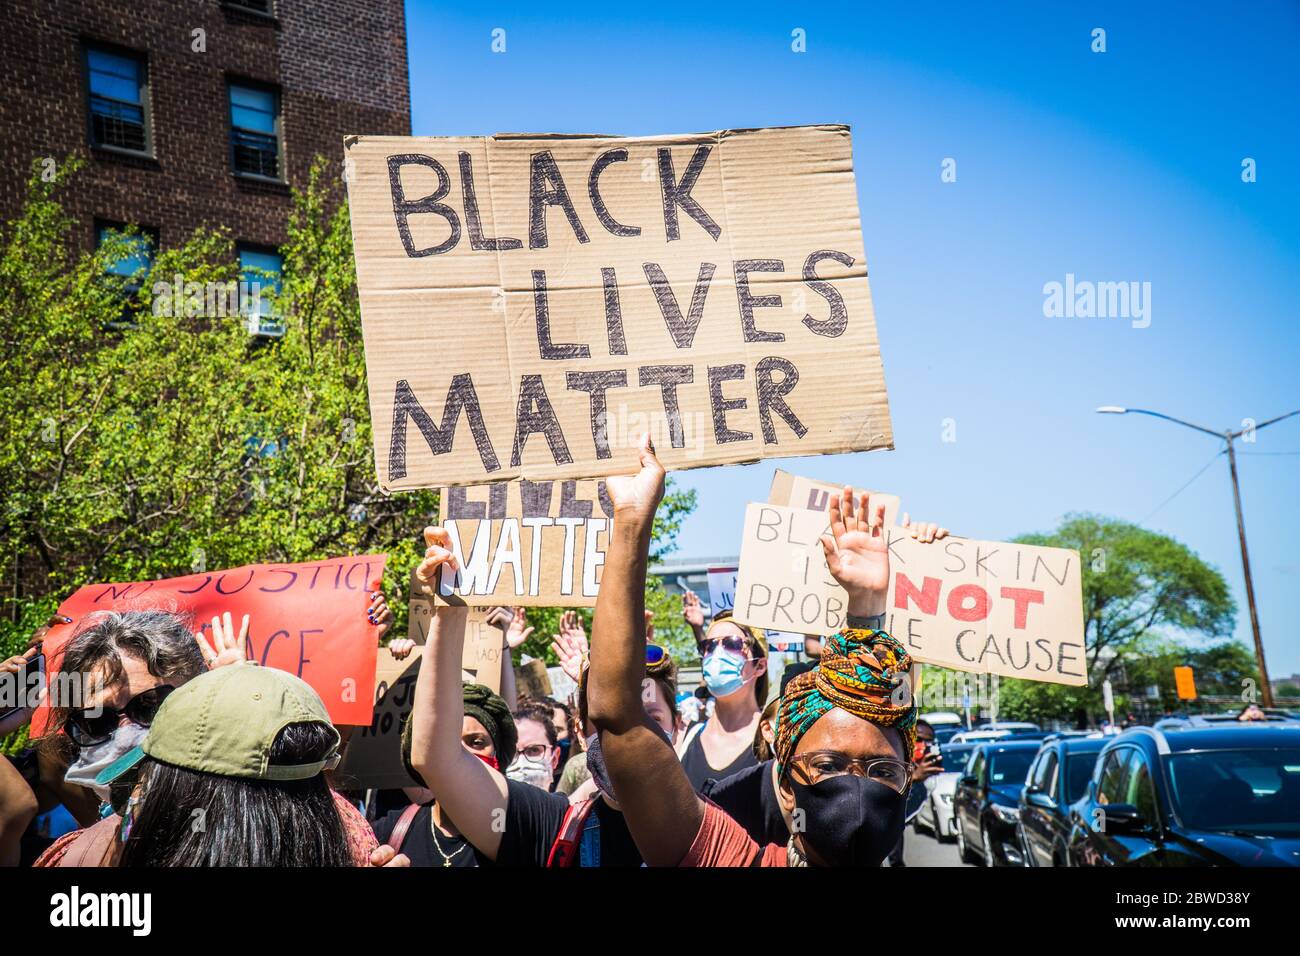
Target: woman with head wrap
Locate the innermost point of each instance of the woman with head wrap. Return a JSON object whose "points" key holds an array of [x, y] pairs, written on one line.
{"points": [[427, 835], [843, 736], [508, 821]]}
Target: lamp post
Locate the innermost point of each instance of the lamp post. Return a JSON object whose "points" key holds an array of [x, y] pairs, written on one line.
{"points": [[1228, 437]]}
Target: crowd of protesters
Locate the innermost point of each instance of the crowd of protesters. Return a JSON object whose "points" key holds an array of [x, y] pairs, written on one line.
{"points": [[187, 754]]}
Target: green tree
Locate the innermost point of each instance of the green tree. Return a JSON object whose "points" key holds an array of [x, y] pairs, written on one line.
{"points": [[180, 442], [1140, 589]]}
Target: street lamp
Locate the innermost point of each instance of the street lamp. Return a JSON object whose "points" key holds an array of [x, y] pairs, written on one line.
{"points": [[1228, 437]]}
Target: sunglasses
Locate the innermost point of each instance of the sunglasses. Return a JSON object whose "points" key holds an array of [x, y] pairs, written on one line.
{"points": [[654, 654], [731, 642], [140, 709]]}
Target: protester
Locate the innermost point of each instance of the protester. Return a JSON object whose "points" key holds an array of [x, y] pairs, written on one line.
{"points": [[130, 662], [423, 832], [229, 773], [926, 763], [1251, 712], [734, 664], [844, 736], [506, 821], [752, 796], [537, 758]]}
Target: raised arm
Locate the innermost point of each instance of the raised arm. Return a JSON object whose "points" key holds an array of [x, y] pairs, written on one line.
{"points": [[661, 807], [470, 793]]}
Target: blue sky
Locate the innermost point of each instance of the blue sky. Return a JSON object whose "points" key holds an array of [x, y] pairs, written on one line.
{"points": [[1116, 166]]}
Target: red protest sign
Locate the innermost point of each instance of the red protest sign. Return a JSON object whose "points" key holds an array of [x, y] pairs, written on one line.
{"points": [[308, 619]]}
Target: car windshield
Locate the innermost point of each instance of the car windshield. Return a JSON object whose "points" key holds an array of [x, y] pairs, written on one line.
{"points": [[1238, 791], [1078, 771], [954, 757], [1010, 766]]}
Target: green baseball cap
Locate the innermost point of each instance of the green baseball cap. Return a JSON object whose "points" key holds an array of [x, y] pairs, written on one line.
{"points": [[225, 721]]}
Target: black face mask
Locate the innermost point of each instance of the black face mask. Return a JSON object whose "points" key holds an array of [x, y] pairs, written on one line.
{"points": [[851, 821]]}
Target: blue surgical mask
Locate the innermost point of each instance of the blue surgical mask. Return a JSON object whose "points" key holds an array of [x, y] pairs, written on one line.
{"points": [[724, 672]]}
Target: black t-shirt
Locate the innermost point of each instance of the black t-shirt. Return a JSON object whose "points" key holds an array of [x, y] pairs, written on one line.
{"points": [[419, 844], [749, 798], [697, 767], [533, 820]]}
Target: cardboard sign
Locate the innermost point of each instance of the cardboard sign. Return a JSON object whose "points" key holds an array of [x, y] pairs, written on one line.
{"points": [[308, 619], [722, 597], [783, 582], [532, 303], [532, 679], [481, 656], [722, 590], [484, 645], [981, 606], [534, 544], [373, 757], [799, 492]]}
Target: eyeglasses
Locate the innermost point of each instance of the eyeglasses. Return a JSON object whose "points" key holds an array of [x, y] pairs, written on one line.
{"points": [[737, 645], [534, 751], [140, 709], [821, 765], [654, 654]]}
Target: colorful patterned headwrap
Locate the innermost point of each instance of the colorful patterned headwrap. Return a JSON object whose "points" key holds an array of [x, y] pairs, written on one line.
{"points": [[861, 671]]}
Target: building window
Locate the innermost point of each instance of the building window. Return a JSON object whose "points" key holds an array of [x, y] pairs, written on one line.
{"points": [[254, 131], [259, 274], [251, 6], [133, 260], [117, 87]]}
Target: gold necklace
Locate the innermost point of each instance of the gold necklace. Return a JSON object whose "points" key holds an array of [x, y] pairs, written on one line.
{"points": [[433, 831]]}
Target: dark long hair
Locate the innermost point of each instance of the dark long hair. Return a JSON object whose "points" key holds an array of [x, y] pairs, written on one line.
{"points": [[187, 818]]}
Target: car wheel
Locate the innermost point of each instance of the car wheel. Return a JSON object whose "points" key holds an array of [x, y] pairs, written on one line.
{"points": [[963, 851], [989, 858]]}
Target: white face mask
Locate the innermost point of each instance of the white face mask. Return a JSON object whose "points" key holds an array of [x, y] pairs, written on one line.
{"points": [[536, 773], [97, 757]]}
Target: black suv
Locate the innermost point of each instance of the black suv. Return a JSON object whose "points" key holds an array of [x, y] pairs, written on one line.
{"points": [[1058, 778], [985, 806], [1212, 797]]}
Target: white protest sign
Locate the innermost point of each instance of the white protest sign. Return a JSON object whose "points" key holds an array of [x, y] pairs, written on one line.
{"points": [[986, 607], [535, 544]]}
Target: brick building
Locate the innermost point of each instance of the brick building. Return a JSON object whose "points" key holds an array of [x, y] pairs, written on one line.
{"points": [[194, 113]]}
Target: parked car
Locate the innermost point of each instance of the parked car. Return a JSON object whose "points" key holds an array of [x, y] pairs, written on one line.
{"points": [[1058, 778], [1213, 796], [1271, 716], [986, 803], [945, 724], [936, 813], [977, 736], [991, 731]]}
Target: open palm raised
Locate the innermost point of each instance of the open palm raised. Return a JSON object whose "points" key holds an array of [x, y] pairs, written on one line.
{"points": [[857, 551]]}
